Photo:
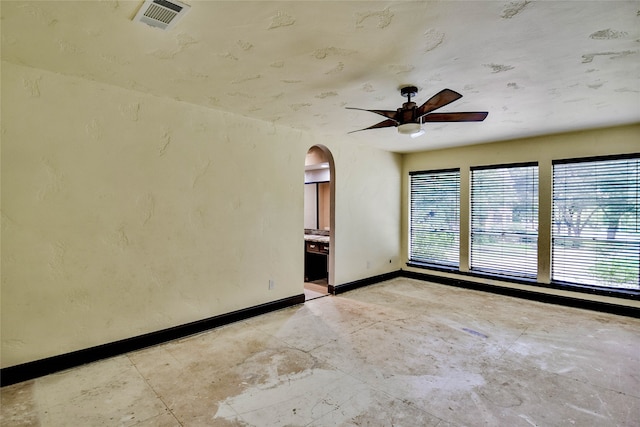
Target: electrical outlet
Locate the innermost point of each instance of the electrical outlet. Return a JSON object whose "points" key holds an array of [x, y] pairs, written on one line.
{"points": [[272, 284]]}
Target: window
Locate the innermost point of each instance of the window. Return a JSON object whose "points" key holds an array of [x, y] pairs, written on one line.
{"points": [[435, 217], [596, 230], [504, 220]]}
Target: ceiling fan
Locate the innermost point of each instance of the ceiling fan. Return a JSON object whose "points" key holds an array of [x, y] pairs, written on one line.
{"points": [[409, 118]]}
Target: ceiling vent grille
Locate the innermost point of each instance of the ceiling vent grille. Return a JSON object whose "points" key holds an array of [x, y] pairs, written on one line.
{"points": [[162, 14]]}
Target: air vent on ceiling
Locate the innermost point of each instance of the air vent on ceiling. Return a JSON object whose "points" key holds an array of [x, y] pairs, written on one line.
{"points": [[162, 14]]}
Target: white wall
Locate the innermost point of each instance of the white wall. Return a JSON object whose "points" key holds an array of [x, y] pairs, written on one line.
{"points": [[310, 206], [124, 213], [618, 140], [317, 175]]}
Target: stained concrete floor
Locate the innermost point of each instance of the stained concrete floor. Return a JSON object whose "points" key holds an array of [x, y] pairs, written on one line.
{"points": [[399, 353]]}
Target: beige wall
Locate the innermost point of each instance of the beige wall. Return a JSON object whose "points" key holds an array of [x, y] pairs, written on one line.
{"points": [[367, 229], [124, 214], [543, 150]]}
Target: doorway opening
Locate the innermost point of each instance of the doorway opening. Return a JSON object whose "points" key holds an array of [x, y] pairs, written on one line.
{"points": [[319, 221]]}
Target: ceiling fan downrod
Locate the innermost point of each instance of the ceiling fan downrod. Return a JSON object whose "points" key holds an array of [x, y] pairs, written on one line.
{"points": [[409, 91]]}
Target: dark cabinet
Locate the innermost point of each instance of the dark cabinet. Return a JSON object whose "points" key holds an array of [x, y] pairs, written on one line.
{"points": [[315, 261], [317, 248]]}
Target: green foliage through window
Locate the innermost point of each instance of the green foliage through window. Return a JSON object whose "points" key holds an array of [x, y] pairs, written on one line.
{"points": [[596, 227], [595, 224], [435, 217], [504, 220]]}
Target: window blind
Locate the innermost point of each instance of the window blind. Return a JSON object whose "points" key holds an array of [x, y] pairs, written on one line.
{"points": [[435, 217], [596, 229], [504, 220]]}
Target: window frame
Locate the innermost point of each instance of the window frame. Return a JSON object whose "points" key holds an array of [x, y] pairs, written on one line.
{"points": [[545, 209], [583, 287], [446, 266], [497, 272]]}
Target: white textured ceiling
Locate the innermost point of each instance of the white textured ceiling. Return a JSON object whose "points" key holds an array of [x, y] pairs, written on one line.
{"points": [[538, 67]]}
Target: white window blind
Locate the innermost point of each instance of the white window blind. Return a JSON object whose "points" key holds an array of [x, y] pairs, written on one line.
{"points": [[504, 220], [596, 228], [435, 217]]}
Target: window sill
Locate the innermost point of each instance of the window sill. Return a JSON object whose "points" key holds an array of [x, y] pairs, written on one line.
{"points": [[593, 290]]}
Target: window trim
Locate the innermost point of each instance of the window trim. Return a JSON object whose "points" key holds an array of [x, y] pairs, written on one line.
{"points": [[580, 287], [531, 283], [444, 267], [505, 165], [595, 158], [629, 294], [490, 273], [422, 172]]}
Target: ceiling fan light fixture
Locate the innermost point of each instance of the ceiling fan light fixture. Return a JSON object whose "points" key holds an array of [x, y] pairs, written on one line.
{"points": [[417, 134], [410, 129]]}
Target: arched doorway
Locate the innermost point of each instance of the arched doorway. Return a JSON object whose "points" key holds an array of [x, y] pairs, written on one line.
{"points": [[319, 222]]}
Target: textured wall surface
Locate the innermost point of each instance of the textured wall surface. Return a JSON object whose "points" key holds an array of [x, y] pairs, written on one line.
{"points": [[125, 213], [367, 220]]}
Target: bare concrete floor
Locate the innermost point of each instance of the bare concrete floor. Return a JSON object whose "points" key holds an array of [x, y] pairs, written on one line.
{"points": [[400, 353]]}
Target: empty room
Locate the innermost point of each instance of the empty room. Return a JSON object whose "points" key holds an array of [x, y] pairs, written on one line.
{"points": [[320, 213]]}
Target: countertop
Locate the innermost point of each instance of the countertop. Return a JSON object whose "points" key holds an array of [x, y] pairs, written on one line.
{"points": [[316, 238]]}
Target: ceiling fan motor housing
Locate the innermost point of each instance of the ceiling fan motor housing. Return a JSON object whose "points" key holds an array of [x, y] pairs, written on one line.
{"points": [[407, 114]]}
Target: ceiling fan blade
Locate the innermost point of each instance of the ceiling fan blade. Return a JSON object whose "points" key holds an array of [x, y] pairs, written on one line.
{"points": [[440, 99], [476, 116], [386, 113], [383, 124]]}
